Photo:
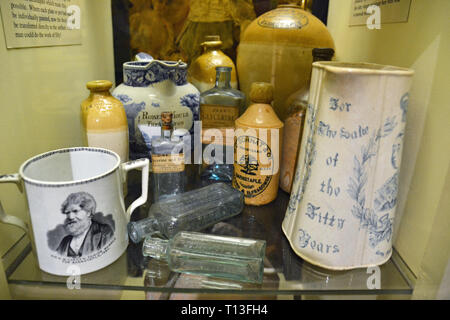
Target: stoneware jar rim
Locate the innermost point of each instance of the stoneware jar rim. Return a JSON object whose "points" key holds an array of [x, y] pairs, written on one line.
{"points": [[362, 68], [73, 182]]}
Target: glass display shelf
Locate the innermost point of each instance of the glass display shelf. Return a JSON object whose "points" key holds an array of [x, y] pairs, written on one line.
{"points": [[284, 274]]}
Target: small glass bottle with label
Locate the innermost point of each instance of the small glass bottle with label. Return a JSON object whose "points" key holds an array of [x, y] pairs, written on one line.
{"points": [[168, 162], [219, 109]]}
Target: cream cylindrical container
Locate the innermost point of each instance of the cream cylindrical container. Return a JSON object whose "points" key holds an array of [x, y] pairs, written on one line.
{"points": [[258, 148], [104, 120]]}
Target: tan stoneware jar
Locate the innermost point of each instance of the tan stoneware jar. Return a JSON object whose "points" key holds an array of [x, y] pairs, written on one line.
{"points": [[104, 120], [202, 71], [277, 48], [258, 139]]}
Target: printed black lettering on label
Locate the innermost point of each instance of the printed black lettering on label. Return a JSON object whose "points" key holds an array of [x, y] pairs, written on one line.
{"points": [[248, 178]]}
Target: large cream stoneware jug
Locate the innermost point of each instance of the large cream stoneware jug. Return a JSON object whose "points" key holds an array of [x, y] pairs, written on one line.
{"points": [[277, 48]]}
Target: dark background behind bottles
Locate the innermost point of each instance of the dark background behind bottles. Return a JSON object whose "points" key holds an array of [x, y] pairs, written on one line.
{"points": [[121, 10]]}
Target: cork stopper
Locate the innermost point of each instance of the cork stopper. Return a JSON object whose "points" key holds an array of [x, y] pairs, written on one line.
{"points": [[261, 92], [166, 118], [99, 85]]}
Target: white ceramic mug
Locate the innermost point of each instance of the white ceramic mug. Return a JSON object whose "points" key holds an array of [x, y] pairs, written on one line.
{"points": [[342, 206], [76, 206]]}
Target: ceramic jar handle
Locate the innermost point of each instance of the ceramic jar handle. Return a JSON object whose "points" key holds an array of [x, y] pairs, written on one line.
{"points": [[143, 164], [4, 218]]}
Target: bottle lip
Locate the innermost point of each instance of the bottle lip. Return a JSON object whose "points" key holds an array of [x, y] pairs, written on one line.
{"points": [[289, 5], [212, 44], [155, 248], [99, 85], [323, 52], [133, 233], [224, 69]]}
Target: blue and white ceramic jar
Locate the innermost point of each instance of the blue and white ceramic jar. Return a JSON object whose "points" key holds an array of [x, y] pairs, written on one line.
{"points": [[151, 87]]}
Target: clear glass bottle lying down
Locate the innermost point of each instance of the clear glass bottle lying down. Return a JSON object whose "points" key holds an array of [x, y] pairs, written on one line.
{"points": [[190, 211], [217, 256]]}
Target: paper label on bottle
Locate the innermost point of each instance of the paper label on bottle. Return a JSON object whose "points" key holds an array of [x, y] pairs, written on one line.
{"points": [[284, 18], [218, 124], [168, 163], [216, 116], [256, 167]]}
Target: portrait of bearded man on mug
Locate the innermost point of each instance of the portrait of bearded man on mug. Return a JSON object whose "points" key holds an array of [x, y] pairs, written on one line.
{"points": [[85, 234]]}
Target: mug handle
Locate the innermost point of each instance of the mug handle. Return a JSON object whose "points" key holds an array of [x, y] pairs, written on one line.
{"points": [[143, 164], [12, 178]]}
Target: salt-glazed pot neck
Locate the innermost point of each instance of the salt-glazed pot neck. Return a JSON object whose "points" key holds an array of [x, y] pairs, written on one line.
{"points": [[147, 73]]}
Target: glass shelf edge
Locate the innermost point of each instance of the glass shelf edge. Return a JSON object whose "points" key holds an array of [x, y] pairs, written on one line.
{"points": [[368, 292], [403, 268]]}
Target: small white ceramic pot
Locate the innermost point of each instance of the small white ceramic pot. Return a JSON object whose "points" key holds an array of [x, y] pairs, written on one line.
{"points": [[76, 206], [344, 195]]}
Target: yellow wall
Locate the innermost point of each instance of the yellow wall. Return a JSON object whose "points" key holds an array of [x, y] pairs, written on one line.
{"points": [[40, 94], [421, 44]]}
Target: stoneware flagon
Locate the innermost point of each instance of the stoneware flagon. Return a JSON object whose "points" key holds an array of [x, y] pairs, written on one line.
{"points": [[104, 120], [202, 71], [151, 87], [76, 207], [277, 48], [342, 206]]}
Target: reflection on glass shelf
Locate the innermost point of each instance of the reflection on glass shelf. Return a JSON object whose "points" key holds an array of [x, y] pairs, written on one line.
{"points": [[284, 272]]}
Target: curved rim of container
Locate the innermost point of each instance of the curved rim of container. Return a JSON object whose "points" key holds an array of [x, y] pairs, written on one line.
{"points": [[143, 65], [362, 68], [67, 183], [333, 268]]}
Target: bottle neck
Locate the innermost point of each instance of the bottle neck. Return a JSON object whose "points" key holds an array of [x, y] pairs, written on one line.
{"points": [[156, 248], [100, 93], [212, 47], [138, 230], [166, 132], [322, 58], [223, 79], [323, 54]]}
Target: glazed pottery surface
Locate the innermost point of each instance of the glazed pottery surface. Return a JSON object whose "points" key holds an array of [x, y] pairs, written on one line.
{"points": [[76, 206], [292, 137], [258, 146], [150, 88], [202, 71], [343, 200], [277, 48], [104, 120]]}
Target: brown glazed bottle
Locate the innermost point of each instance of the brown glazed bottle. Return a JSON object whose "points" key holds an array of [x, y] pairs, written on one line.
{"points": [[296, 104], [257, 151]]}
